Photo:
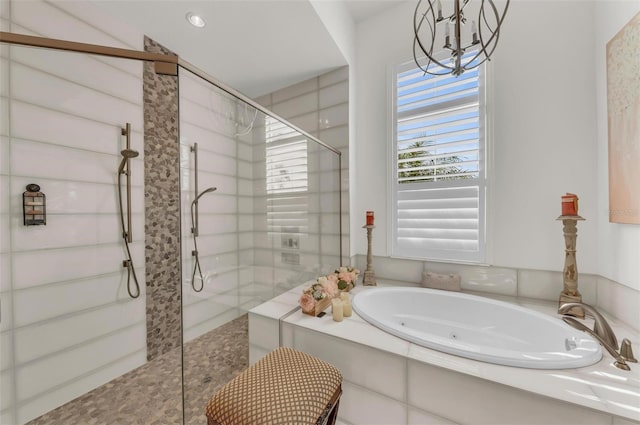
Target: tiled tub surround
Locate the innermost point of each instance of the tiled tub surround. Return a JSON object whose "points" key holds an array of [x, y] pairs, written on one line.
{"points": [[616, 299], [388, 380]]}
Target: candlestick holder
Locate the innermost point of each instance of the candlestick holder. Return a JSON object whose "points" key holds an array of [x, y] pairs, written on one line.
{"points": [[570, 291], [369, 278]]}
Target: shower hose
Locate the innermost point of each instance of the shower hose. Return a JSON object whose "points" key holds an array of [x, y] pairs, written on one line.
{"points": [[128, 263], [196, 265], [194, 230]]}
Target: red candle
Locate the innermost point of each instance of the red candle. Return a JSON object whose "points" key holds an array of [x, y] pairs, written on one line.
{"points": [[570, 204], [369, 218]]}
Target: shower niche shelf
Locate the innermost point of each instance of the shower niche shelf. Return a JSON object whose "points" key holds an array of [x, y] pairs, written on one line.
{"points": [[34, 206]]}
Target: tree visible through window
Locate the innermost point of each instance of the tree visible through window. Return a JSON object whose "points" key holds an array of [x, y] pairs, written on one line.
{"points": [[418, 163]]}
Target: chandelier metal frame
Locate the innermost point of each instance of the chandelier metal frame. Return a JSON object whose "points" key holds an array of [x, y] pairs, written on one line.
{"points": [[425, 22]]}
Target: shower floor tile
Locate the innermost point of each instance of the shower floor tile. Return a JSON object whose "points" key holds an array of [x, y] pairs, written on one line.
{"points": [[151, 394]]}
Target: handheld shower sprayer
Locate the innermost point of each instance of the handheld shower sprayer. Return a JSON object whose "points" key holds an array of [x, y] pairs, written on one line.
{"points": [[194, 230], [207, 190], [127, 154]]}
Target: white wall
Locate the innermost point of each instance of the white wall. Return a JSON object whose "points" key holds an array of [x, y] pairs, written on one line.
{"points": [[339, 23], [380, 41], [618, 244], [336, 18], [544, 142]]}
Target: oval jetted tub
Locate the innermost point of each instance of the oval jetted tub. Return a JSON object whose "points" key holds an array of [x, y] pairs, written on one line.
{"points": [[477, 328]]}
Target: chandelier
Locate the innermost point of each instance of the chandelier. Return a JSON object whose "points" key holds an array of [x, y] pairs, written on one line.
{"points": [[468, 47]]}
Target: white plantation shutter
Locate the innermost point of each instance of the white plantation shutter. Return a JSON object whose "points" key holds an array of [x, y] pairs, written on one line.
{"points": [[286, 161], [439, 181]]}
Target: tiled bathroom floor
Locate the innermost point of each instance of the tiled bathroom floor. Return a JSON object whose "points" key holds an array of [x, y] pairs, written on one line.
{"points": [[151, 394]]}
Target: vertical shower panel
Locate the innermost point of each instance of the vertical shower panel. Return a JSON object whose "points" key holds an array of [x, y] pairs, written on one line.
{"points": [[272, 223], [67, 323], [205, 119], [296, 208], [320, 106], [7, 372], [72, 326]]}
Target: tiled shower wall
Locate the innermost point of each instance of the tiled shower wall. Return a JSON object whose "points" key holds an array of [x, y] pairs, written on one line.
{"points": [[68, 324], [319, 106]]}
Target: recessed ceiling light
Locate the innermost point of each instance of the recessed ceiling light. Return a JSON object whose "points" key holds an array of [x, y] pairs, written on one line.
{"points": [[195, 20]]}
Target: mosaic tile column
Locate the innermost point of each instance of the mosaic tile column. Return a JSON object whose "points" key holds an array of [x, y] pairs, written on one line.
{"points": [[162, 207]]}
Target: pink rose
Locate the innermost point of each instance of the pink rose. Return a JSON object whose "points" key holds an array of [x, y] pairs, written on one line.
{"points": [[346, 276], [333, 278], [331, 288], [307, 302]]}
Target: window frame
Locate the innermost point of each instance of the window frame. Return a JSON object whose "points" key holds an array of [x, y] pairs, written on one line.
{"points": [[482, 181]]}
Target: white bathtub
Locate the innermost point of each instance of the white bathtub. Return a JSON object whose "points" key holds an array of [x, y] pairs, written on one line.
{"points": [[477, 328]]}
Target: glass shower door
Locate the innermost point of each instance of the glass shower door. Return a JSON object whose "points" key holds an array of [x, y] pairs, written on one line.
{"points": [[69, 325], [272, 223]]}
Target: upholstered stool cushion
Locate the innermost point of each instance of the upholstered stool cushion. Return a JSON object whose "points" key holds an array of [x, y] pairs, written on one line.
{"points": [[285, 387]]}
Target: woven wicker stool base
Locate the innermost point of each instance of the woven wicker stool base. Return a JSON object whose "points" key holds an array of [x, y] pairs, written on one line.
{"points": [[285, 387]]}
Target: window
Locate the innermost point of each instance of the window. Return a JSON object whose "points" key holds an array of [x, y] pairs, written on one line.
{"points": [[286, 158], [287, 180], [439, 165]]}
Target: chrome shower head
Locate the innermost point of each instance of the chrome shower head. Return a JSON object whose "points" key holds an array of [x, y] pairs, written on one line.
{"points": [[126, 154]]}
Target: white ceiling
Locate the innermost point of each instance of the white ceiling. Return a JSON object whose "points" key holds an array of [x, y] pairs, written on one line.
{"points": [[254, 46], [362, 10]]}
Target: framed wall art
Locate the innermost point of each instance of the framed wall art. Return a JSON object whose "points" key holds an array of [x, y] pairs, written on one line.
{"points": [[623, 110]]}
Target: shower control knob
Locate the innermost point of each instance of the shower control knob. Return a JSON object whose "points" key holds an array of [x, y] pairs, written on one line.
{"points": [[33, 187]]}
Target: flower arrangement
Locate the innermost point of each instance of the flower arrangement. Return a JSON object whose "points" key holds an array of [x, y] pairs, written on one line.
{"points": [[347, 277], [318, 296]]}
